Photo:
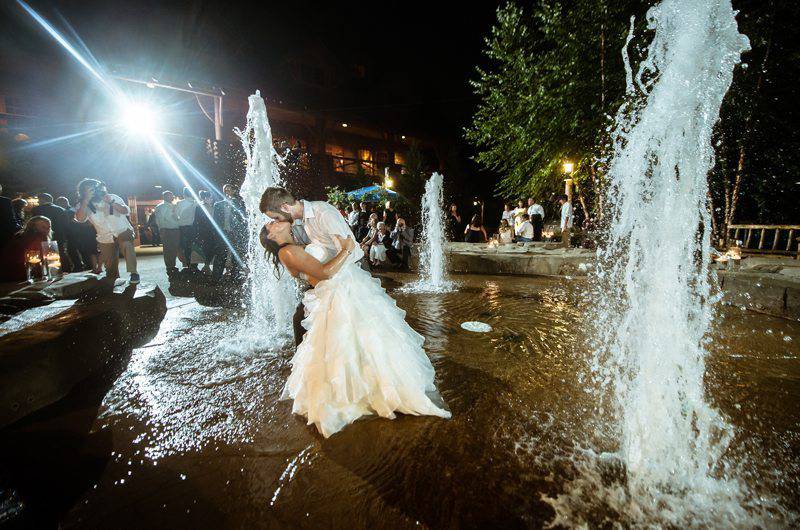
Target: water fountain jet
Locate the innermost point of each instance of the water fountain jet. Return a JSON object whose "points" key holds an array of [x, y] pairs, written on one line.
{"points": [[432, 259], [272, 297]]}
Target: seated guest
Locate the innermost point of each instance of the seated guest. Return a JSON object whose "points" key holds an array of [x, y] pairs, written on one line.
{"points": [[12, 264], [59, 220], [525, 232], [379, 244], [372, 229], [506, 233], [475, 233]]}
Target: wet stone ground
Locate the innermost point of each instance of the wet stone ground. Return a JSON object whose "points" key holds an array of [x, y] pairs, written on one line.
{"points": [[188, 430]]}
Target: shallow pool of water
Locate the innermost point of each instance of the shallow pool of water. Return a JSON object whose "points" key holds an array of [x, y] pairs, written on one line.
{"points": [[192, 434]]}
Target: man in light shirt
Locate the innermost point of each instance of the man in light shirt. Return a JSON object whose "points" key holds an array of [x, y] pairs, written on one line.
{"points": [[536, 214], [525, 231], [108, 214], [352, 217], [185, 210], [566, 220], [166, 217]]}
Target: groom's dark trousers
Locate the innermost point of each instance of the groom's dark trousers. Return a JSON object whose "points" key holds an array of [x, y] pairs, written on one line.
{"points": [[299, 330]]}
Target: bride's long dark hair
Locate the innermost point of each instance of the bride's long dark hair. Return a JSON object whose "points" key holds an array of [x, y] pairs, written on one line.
{"points": [[271, 249]]}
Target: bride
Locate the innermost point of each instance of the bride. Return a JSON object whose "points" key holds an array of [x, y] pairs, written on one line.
{"points": [[358, 355]]}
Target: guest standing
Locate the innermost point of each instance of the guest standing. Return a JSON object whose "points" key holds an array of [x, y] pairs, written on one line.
{"points": [[352, 217], [108, 214], [475, 232], [81, 241], [508, 214], [566, 220], [453, 223], [402, 239], [517, 213], [8, 219], [18, 205], [389, 215], [206, 235], [185, 211], [229, 216], [536, 215], [166, 217]]}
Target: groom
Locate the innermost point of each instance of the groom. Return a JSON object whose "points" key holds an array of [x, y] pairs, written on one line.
{"points": [[313, 222]]}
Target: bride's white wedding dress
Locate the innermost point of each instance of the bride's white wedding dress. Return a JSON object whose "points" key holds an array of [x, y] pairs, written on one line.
{"points": [[358, 356]]}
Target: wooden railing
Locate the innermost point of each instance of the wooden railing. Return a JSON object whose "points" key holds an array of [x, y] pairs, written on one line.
{"points": [[766, 239]]}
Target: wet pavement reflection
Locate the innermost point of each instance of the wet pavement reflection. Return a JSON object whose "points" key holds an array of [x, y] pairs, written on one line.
{"points": [[191, 433]]}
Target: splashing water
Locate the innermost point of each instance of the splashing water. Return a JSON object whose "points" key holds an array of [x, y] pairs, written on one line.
{"points": [[432, 260], [272, 299], [655, 296]]}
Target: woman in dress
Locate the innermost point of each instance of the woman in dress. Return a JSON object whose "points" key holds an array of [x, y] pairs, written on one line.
{"points": [[378, 245], [358, 356], [506, 233]]}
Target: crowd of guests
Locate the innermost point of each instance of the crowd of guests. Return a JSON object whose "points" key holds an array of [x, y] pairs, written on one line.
{"points": [[90, 234], [93, 233], [196, 230], [522, 224], [385, 237]]}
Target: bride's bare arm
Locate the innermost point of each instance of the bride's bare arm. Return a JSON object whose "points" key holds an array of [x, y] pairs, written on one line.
{"points": [[298, 260]]}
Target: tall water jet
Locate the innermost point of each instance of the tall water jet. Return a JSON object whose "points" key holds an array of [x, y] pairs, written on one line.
{"points": [[273, 298], [432, 259], [656, 299]]}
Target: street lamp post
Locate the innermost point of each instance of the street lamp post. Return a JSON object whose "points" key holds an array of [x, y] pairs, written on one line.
{"points": [[568, 168], [217, 98]]}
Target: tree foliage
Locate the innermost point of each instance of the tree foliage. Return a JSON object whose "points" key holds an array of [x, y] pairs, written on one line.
{"points": [[554, 76]]}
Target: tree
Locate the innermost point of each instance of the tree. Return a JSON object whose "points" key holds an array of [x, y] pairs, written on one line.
{"points": [[555, 76], [756, 140], [412, 182]]}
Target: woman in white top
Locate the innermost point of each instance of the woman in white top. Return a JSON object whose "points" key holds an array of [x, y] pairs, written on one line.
{"points": [[517, 212], [377, 248], [508, 214], [506, 233]]}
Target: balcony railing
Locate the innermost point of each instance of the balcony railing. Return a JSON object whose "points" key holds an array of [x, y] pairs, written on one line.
{"points": [[766, 239]]}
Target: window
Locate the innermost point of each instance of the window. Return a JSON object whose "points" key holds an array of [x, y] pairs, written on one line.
{"points": [[400, 158], [365, 155]]}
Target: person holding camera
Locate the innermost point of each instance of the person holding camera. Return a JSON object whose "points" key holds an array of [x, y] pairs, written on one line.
{"points": [[108, 214]]}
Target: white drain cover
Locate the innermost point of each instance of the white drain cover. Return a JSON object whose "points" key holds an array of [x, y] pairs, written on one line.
{"points": [[478, 327]]}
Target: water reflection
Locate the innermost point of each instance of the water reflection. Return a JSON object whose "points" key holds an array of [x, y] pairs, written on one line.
{"points": [[200, 438]]}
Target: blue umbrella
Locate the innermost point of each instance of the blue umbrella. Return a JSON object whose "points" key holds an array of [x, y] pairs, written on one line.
{"points": [[371, 193]]}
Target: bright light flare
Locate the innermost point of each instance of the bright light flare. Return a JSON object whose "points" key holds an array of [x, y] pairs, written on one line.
{"points": [[138, 118]]}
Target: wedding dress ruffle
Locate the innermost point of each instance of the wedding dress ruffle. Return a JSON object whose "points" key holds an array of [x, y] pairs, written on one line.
{"points": [[358, 356]]}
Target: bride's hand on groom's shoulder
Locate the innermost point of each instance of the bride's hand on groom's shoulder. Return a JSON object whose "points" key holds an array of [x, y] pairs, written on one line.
{"points": [[347, 244]]}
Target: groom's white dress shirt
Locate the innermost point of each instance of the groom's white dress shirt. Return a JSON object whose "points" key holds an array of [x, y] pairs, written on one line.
{"points": [[321, 221]]}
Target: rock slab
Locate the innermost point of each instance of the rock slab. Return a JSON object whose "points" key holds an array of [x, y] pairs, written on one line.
{"points": [[41, 363]]}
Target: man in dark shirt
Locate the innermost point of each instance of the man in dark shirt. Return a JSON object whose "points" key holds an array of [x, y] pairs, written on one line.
{"points": [[8, 221]]}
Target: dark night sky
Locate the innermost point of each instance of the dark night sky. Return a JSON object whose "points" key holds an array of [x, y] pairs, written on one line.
{"points": [[418, 55]]}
